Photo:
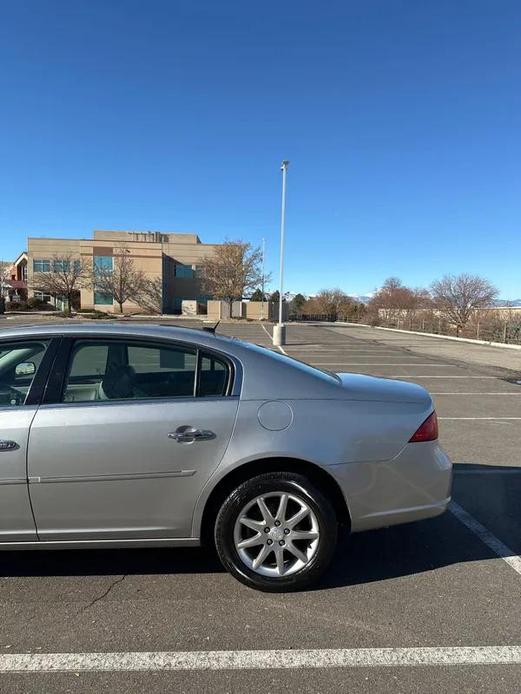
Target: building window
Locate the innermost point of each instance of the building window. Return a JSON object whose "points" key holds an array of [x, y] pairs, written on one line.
{"points": [[183, 271], [60, 266], [43, 297], [103, 298], [103, 263], [41, 265]]}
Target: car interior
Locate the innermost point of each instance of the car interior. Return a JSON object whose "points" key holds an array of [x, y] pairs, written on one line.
{"points": [[115, 371], [18, 364]]}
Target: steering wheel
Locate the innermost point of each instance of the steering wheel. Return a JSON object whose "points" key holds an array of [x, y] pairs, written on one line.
{"points": [[15, 396]]}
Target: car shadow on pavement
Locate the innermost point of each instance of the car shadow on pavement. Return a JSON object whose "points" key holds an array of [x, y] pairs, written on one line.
{"points": [[493, 499]]}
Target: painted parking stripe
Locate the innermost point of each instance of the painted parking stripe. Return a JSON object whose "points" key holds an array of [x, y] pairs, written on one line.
{"points": [[256, 660], [488, 538], [339, 362], [486, 419], [486, 470], [271, 337], [480, 394]]}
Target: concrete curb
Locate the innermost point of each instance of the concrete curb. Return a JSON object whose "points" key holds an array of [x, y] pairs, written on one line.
{"points": [[415, 332]]}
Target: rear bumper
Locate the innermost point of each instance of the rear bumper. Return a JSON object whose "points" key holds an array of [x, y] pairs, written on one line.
{"points": [[414, 485]]}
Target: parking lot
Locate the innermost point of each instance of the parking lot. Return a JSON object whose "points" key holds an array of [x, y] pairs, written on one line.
{"points": [[450, 582]]}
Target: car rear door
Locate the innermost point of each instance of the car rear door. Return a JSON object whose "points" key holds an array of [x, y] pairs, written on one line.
{"points": [[24, 364], [130, 433]]}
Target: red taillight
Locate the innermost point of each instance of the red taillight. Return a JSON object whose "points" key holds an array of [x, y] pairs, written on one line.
{"points": [[428, 431]]}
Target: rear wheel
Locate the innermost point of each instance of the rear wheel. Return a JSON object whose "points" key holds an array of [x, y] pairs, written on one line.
{"points": [[276, 532]]}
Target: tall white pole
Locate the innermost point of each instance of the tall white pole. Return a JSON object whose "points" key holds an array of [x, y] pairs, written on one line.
{"points": [[284, 169], [263, 276], [279, 330]]}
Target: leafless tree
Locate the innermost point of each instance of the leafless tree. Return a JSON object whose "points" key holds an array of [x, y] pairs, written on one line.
{"points": [[5, 266], [457, 297], [123, 281], [150, 295], [67, 275], [334, 303], [394, 301], [233, 271]]}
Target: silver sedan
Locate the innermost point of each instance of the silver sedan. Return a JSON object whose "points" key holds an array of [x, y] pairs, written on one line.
{"points": [[134, 435]]}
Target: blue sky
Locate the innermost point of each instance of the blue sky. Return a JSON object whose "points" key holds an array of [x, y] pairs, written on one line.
{"points": [[402, 121]]}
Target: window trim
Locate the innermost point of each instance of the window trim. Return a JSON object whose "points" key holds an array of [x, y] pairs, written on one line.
{"points": [[55, 387]]}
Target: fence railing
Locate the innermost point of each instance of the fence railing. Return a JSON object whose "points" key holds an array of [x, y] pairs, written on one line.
{"points": [[507, 332], [489, 330]]}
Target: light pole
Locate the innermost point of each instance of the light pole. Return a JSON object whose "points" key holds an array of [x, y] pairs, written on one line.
{"points": [[263, 276], [279, 330]]}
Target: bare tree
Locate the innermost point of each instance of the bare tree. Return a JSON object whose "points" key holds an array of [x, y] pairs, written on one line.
{"points": [[394, 301], [457, 297], [334, 303], [150, 295], [67, 275], [5, 276], [233, 271], [123, 280]]}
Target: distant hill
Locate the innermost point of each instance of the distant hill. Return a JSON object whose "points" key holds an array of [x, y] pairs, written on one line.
{"points": [[362, 298], [514, 303]]}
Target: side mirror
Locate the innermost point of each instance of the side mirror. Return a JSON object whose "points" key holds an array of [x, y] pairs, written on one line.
{"points": [[25, 368]]}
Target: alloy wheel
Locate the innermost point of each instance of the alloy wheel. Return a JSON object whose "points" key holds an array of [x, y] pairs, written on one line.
{"points": [[276, 534]]}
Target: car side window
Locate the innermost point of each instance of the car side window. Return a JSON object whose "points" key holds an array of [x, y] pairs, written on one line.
{"points": [[213, 376], [19, 363], [125, 370]]}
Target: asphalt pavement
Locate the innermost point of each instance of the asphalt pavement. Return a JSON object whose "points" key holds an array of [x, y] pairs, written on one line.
{"points": [[453, 582]]}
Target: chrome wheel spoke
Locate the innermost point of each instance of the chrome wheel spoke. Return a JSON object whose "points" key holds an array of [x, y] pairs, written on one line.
{"points": [[252, 524], [251, 542], [299, 516], [281, 511], [304, 535], [261, 556], [279, 556], [266, 514], [297, 552]]}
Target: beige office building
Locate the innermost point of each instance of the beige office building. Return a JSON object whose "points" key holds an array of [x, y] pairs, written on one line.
{"points": [[173, 257]]}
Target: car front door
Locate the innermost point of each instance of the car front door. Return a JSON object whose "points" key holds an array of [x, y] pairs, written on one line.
{"points": [[23, 366], [128, 440]]}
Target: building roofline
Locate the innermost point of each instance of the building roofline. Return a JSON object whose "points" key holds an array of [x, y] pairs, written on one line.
{"points": [[20, 257]]}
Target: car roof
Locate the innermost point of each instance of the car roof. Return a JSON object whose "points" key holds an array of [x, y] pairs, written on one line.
{"points": [[266, 373], [112, 328]]}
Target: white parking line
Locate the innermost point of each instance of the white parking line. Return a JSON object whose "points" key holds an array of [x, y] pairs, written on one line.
{"points": [[471, 419], [480, 394], [271, 338], [340, 362], [442, 377], [510, 557], [257, 660], [486, 471]]}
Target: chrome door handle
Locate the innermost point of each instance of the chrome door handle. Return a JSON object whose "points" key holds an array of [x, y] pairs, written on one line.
{"points": [[188, 434], [8, 445]]}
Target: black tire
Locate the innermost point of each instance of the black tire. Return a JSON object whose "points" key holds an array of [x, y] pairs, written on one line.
{"points": [[299, 486]]}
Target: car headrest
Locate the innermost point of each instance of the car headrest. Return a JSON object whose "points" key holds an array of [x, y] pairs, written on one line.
{"points": [[118, 382]]}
